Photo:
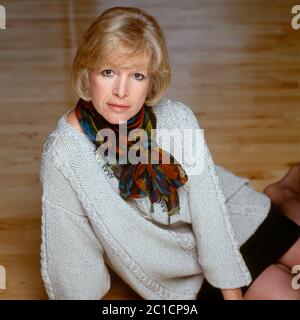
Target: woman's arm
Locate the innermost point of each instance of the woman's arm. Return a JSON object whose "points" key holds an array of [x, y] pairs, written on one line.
{"points": [[232, 294], [218, 252], [72, 263]]}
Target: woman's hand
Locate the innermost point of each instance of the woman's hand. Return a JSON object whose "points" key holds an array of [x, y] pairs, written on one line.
{"points": [[232, 294]]}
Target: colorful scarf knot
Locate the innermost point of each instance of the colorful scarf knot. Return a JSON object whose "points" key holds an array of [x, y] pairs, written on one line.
{"points": [[155, 179]]}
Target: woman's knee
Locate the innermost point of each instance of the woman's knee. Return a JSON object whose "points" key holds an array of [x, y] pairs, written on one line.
{"points": [[274, 283]]}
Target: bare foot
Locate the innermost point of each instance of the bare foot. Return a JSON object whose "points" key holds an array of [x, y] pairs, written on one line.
{"points": [[285, 193], [291, 180]]}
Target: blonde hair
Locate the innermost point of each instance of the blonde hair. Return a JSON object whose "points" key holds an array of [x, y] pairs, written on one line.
{"points": [[123, 31]]}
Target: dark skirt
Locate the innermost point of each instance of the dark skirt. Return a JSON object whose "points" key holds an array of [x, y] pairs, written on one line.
{"points": [[271, 240]]}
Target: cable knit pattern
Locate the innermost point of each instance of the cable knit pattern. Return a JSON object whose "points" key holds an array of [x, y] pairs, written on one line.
{"points": [[86, 225], [224, 253]]}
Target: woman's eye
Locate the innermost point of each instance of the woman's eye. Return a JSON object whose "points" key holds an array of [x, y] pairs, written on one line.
{"points": [[109, 72], [105, 74], [141, 76]]}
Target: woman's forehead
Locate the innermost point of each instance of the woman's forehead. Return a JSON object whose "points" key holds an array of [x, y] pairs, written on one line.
{"points": [[128, 63]]}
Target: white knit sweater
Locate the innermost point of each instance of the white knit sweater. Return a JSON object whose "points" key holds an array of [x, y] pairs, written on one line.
{"points": [[86, 225]]}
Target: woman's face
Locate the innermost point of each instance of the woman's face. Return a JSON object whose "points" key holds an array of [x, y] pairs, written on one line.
{"points": [[118, 83]]}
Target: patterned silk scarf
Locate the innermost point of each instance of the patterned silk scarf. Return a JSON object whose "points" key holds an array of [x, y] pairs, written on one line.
{"points": [[157, 180]]}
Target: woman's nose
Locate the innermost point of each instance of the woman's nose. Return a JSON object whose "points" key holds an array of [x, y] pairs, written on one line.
{"points": [[121, 88]]}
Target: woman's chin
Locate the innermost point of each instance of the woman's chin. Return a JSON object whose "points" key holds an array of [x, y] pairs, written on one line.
{"points": [[117, 120]]}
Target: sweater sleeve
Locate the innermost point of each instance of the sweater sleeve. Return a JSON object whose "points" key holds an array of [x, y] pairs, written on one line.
{"points": [[218, 250], [72, 263]]}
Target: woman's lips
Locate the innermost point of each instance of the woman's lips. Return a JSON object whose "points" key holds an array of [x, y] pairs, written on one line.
{"points": [[117, 107]]}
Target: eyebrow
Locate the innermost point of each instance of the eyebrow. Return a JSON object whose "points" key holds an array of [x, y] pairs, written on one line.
{"points": [[135, 67]]}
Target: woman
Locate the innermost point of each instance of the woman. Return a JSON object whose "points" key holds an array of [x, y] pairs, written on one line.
{"points": [[159, 226]]}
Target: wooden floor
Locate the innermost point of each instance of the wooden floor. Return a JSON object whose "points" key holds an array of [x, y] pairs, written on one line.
{"points": [[235, 63]]}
